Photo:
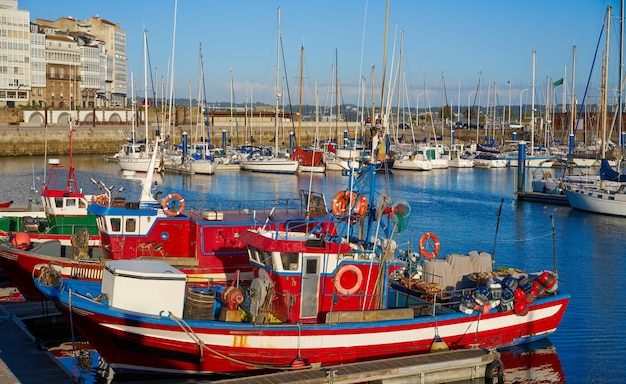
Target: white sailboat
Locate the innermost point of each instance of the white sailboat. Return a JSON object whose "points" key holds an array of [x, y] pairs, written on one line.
{"points": [[201, 159], [135, 156], [263, 161], [607, 198]]}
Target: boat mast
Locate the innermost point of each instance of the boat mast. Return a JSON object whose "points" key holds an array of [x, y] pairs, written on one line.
{"points": [[532, 109], [382, 92], [276, 86], [605, 75], [169, 125], [145, 84], [300, 111], [573, 102], [621, 70]]}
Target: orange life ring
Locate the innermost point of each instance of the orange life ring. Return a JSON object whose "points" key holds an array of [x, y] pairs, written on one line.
{"points": [[361, 206], [344, 202], [169, 210], [425, 237], [359, 279], [102, 200]]}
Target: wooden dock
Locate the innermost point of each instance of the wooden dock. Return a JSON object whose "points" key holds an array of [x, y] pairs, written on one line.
{"points": [[438, 367], [22, 361], [546, 198]]}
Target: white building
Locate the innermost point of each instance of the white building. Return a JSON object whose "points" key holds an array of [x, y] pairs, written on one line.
{"points": [[15, 67]]}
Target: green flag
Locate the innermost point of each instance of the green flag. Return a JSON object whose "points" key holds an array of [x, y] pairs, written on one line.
{"points": [[558, 82]]}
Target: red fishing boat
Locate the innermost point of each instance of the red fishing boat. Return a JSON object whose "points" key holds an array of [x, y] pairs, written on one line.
{"points": [[333, 293]]}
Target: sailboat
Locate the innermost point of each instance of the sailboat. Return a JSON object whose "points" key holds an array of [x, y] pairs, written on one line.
{"points": [[263, 160], [609, 197], [135, 155], [535, 158], [200, 159], [311, 160]]}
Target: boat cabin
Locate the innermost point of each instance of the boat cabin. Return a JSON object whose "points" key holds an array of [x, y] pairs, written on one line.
{"points": [[302, 278]]}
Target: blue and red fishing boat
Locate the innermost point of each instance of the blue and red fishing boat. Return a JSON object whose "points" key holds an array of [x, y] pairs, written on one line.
{"points": [[332, 293]]}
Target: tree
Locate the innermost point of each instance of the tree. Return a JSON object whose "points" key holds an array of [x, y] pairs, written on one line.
{"points": [[472, 113], [446, 112]]}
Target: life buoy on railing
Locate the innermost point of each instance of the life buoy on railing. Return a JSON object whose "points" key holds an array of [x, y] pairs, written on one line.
{"points": [[343, 202], [102, 200], [361, 206], [424, 239], [358, 279], [349, 203], [168, 209]]}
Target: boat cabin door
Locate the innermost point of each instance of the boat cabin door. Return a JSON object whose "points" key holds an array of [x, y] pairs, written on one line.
{"points": [[309, 302]]}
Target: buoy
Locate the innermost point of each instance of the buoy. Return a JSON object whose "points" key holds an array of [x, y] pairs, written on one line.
{"points": [[21, 241], [521, 308], [519, 295], [298, 362], [438, 345]]}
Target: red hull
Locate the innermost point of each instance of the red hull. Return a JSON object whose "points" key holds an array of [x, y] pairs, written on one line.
{"points": [[129, 344]]}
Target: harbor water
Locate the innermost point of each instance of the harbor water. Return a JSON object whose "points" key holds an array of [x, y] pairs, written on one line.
{"points": [[468, 209]]}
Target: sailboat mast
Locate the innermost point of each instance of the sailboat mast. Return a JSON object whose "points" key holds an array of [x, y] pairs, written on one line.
{"points": [[573, 102], [621, 70], [300, 111], [145, 83], [337, 96], [382, 92], [532, 109], [605, 76], [169, 126], [276, 85]]}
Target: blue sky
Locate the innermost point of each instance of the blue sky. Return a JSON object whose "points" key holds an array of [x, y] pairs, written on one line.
{"points": [[460, 41]]}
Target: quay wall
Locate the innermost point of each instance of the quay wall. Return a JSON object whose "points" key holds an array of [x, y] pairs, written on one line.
{"points": [[87, 138]]}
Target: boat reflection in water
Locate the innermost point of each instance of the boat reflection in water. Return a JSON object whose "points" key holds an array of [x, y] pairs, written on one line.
{"points": [[532, 363]]}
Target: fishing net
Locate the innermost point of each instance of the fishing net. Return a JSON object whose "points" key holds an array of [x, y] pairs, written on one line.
{"points": [[401, 210]]}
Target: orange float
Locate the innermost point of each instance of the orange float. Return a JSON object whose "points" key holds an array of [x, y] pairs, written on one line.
{"points": [[357, 284], [169, 210], [424, 239]]}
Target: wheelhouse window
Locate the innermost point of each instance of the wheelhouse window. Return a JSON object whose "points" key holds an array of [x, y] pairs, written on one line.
{"points": [[58, 202], [116, 224], [131, 225], [254, 254], [70, 202], [289, 261], [266, 258]]}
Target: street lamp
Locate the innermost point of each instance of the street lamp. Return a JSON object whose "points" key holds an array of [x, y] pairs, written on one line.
{"points": [[417, 109], [520, 104], [469, 111]]}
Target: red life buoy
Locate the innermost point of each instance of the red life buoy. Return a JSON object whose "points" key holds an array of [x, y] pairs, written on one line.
{"points": [[425, 237], [344, 202], [169, 210], [357, 284], [361, 206]]}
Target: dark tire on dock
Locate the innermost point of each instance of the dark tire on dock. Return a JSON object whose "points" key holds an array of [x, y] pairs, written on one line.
{"points": [[494, 370]]}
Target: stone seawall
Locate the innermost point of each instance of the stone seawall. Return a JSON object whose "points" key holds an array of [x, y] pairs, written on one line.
{"points": [[28, 140], [25, 141]]}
